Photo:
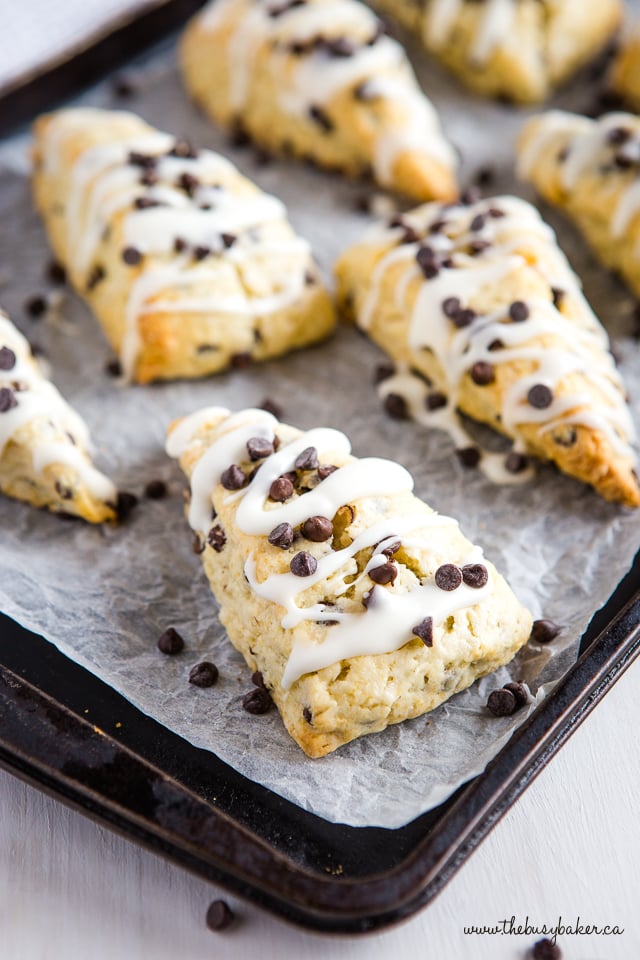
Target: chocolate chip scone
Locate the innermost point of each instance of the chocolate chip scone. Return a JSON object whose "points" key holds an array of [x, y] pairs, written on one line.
{"points": [[44, 444], [359, 605], [322, 81], [479, 309], [516, 49], [189, 267], [624, 76], [590, 169]]}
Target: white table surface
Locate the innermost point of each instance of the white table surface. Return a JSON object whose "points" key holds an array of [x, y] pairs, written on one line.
{"points": [[570, 846]]}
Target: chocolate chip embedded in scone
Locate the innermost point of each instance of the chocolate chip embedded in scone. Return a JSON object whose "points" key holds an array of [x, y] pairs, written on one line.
{"points": [[353, 603]]}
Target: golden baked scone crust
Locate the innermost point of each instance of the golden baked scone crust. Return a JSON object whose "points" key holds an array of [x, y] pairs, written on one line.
{"points": [[319, 80], [517, 49], [44, 445], [589, 169], [189, 267], [624, 76], [359, 605], [481, 313]]}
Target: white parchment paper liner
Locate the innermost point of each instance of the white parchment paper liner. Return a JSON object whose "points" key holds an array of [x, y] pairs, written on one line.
{"points": [[103, 596]]}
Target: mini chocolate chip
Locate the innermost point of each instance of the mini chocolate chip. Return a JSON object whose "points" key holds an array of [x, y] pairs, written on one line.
{"points": [[448, 577], [437, 226], [219, 915], [619, 135], [326, 471], [228, 239], [544, 631], [546, 950], [519, 691], [196, 544], [56, 273], [188, 183], [485, 176], [271, 407], [233, 478], [156, 490], [495, 345], [396, 406], [317, 529], [96, 276], [307, 460], [145, 203], [516, 462], [469, 196], [496, 213], [318, 115], [307, 715], [204, 674], [340, 47], [258, 680], [282, 536], [475, 575], [63, 492], [519, 311], [217, 538], [482, 373], [113, 368], [257, 701], [281, 489], [126, 503], [540, 396], [478, 222], [240, 361], [148, 178], [144, 160], [180, 245], [501, 703], [7, 358], [131, 256], [436, 400], [170, 642], [464, 318], [479, 246], [451, 307], [36, 306], [259, 447], [427, 264], [201, 252], [558, 296], [382, 372], [303, 564], [384, 573], [424, 630], [468, 456]]}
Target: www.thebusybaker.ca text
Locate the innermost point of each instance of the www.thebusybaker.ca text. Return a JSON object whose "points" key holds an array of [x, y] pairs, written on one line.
{"points": [[514, 927]]}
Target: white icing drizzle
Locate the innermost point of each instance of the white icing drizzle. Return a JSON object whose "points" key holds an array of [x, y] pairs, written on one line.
{"points": [[103, 184], [583, 349], [493, 29], [318, 77], [588, 150], [392, 613], [39, 402]]}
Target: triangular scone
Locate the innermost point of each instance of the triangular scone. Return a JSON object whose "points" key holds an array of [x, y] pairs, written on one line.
{"points": [[516, 49], [44, 445], [319, 80], [358, 604], [624, 76], [481, 312], [188, 265], [590, 169]]}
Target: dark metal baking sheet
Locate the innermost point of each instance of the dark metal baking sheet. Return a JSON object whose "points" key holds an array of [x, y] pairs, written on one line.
{"points": [[67, 732]]}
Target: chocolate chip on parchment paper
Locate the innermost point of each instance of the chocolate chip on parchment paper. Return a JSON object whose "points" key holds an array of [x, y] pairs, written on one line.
{"points": [[204, 674], [170, 642], [220, 916]]}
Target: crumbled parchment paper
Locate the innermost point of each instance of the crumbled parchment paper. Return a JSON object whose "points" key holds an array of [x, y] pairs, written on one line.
{"points": [[103, 595]]}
